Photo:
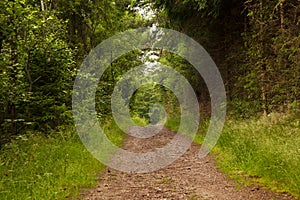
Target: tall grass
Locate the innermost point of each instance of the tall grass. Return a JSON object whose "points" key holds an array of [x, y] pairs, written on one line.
{"points": [[57, 166], [267, 150]]}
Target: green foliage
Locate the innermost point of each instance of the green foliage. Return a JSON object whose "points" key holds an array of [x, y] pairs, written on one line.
{"points": [[41, 48], [186, 70], [89, 23], [108, 80], [140, 121], [144, 98], [37, 66]]}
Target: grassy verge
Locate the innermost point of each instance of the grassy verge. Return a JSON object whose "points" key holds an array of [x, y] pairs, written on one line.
{"points": [[265, 151], [57, 166]]}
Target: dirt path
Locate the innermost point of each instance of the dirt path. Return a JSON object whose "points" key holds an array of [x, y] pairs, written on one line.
{"points": [[187, 178]]}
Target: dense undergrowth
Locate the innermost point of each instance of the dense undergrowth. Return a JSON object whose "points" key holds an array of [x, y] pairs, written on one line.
{"points": [[56, 166]]}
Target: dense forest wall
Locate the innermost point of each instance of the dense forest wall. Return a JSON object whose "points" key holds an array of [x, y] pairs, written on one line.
{"points": [[256, 45]]}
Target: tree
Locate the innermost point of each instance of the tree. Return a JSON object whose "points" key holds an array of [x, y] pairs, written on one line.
{"points": [[36, 66]]}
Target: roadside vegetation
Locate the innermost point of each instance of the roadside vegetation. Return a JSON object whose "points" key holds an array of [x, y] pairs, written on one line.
{"points": [[264, 150], [261, 150], [53, 166]]}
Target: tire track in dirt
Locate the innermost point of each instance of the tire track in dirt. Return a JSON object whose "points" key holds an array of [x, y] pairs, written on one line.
{"points": [[187, 178]]}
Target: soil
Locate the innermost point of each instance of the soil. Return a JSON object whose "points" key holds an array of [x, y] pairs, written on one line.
{"points": [[187, 178]]}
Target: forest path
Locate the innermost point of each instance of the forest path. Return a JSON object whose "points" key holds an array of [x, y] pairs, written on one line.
{"points": [[187, 178]]}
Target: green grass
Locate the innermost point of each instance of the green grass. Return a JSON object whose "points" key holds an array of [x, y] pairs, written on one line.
{"points": [[266, 150], [140, 121], [57, 166], [173, 123]]}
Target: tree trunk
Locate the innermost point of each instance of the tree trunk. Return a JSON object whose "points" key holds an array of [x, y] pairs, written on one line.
{"points": [[42, 5], [263, 90], [282, 14], [28, 72], [11, 108], [262, 64]]}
